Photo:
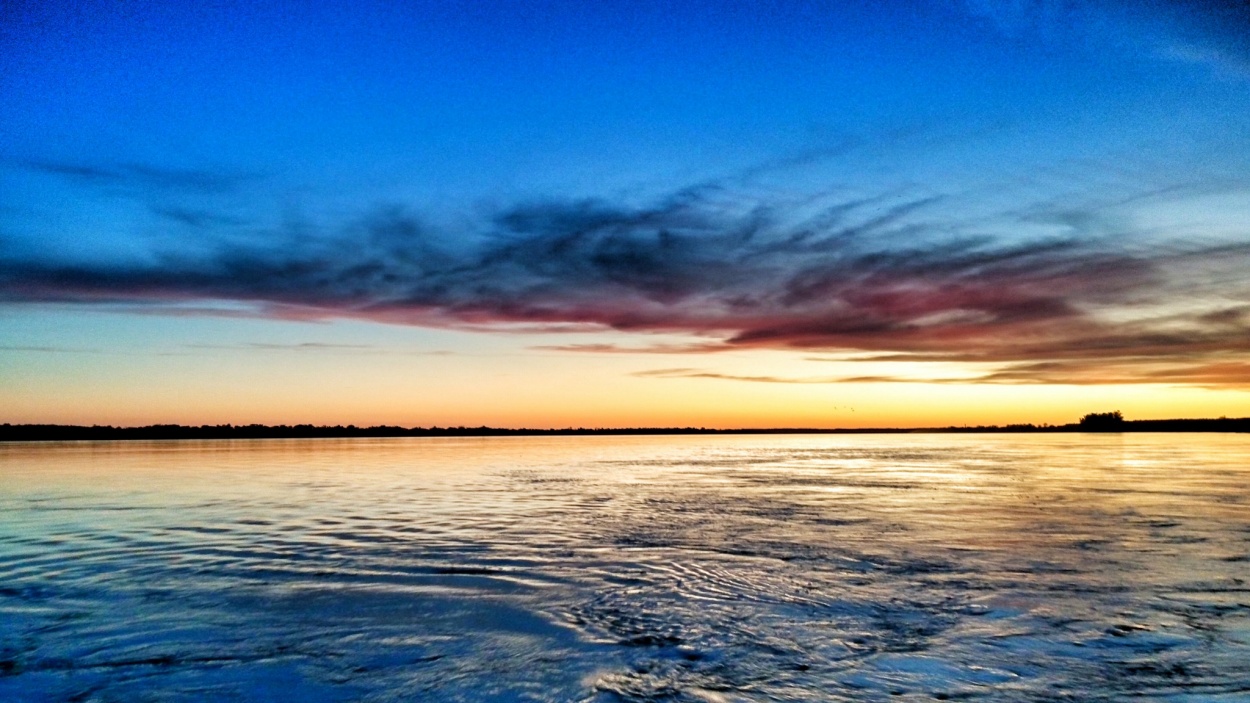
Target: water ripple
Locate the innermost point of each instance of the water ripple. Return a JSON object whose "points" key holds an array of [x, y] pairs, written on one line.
{"points": [[1029, 568]]}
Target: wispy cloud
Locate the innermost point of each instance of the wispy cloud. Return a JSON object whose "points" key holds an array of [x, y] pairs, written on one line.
{"points": [[1213, 373], [296, 346], [592, 348], [1210, 374], [1214, 34], [895, 274], [45, 349], [140, 176], [196, 218], [699, 373], [319, 348]]}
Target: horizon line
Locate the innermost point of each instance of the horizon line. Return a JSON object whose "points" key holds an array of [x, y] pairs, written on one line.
{"points": [[42, 432]]}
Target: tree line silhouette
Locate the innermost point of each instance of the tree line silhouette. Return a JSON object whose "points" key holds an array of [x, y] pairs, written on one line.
{"points": [[1092, 422]]}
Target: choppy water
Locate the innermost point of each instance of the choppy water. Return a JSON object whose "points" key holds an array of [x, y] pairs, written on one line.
{"points": [[817, 568]]}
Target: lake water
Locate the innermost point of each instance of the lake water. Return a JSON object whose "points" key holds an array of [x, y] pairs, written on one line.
{"points": [[741, 568]]}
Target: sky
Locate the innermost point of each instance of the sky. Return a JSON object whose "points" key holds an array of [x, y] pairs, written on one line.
{"points": [[552, 214]]}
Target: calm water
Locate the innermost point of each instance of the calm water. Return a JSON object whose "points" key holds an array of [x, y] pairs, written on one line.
{"points": [[814, 568]]}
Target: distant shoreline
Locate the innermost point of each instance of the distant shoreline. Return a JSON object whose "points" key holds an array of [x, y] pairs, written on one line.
{"points": [[62, 433]]}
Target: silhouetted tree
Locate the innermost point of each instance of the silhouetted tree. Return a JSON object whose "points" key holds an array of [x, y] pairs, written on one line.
{"points": [[1103, 422]]}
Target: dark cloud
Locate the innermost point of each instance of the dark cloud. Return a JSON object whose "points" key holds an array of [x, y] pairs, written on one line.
{"points": [[894, 274]]}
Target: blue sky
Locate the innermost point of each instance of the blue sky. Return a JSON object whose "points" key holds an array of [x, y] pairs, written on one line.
{"points": [[1001, 185]]}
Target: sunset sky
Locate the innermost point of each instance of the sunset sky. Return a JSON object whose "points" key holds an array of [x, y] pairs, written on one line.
{"points": [[544, 214]]}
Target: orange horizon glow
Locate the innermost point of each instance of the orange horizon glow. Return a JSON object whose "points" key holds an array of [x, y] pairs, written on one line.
{"points": [[143, 370]]}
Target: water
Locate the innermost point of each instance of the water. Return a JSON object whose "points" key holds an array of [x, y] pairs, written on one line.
{"points": [[775, 568]]}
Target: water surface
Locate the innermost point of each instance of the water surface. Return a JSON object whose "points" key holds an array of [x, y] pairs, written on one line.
{"points": [[767, 568]]}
